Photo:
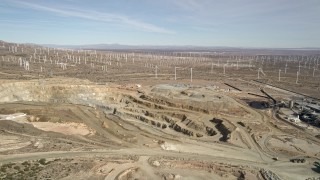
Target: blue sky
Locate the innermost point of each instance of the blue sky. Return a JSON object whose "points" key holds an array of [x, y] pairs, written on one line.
{"points": [[237, 23]]}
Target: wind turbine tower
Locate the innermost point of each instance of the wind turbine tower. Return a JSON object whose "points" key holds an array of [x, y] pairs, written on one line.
{"points": [[175, 73], [279, 73], [191, 74]]}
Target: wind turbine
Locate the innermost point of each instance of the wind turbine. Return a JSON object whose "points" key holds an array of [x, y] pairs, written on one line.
{"points": [[26, 66], [237, 64], [191, 74], [279, 73], [285, 69], [260, 70], [175, 73]]}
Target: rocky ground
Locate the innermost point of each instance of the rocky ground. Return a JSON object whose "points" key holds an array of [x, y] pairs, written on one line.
{"points": [[69, 128]]}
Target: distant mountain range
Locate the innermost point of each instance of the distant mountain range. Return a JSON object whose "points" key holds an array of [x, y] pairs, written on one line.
{"points": [[163, 47], [185, 48], [133, 47]]}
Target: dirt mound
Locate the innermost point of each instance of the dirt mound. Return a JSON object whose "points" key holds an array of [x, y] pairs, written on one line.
{"points": [[64, 128], [22, 128], [196, 99], [292, 146], [180, 129]]}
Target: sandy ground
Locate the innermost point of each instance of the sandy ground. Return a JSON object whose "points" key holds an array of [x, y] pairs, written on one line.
{"points": [[68, 128]]}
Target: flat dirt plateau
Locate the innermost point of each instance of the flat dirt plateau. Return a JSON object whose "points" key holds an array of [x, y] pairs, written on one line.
{"points": [[63, 128]]}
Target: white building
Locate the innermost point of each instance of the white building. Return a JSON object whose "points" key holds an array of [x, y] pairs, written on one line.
{"points": [[294, 119]]}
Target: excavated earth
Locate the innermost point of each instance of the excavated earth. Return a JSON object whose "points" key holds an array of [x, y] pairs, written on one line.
{"points": [[65, 128]]}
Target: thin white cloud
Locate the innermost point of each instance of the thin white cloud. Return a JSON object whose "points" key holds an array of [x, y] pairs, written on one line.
{"points": [[242, 13], [98, 16], [190, 5]]}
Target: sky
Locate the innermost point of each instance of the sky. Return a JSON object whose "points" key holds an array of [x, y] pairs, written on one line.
{"points": [[233, 23]]}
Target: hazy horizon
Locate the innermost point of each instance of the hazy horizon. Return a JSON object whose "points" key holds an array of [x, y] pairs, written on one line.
{"points": [[151, 46]]}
